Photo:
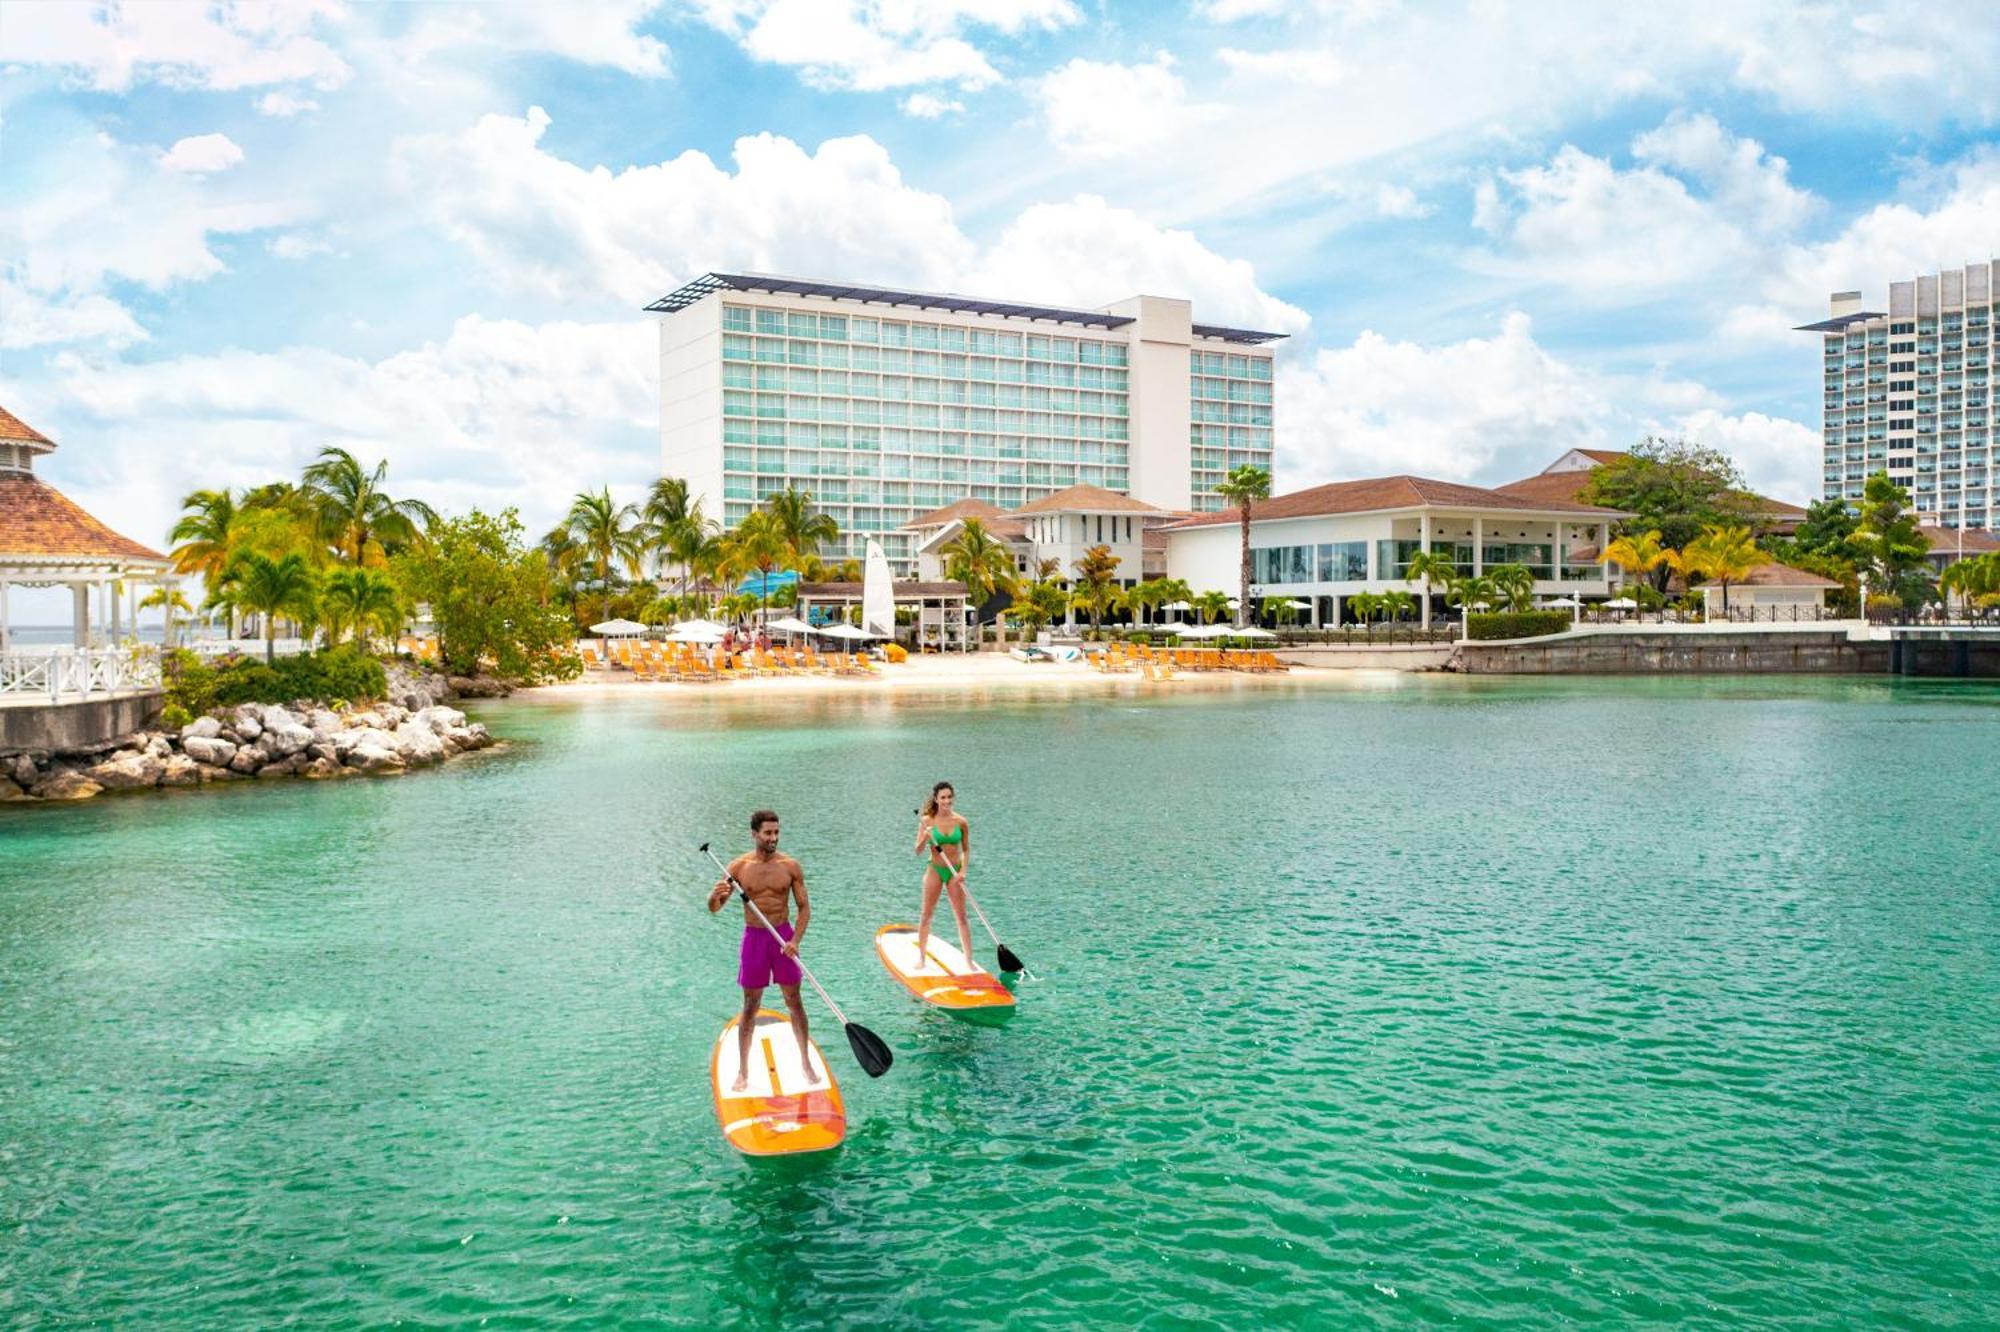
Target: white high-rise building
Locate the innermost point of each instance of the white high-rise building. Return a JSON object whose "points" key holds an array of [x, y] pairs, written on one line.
{"points": [[1909, 391], [887, 404]]}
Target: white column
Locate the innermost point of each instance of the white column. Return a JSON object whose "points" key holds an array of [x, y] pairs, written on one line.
{"points": [[111, 594], [1424, 544], [6, 625], [80, 615], [1556, 553], [1478, 546]]}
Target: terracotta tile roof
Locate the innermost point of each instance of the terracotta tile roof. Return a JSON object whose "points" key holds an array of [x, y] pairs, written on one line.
{"points": [[965, 508], [1086, 499], [1945, 540], [1602, 455], [1389, 492], [16, 431], [38, 520], [1782, 575], [1569, 486]]}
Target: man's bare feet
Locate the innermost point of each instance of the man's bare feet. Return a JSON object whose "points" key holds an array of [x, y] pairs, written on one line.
{"points": [[742, 1083], [811, 1077]]}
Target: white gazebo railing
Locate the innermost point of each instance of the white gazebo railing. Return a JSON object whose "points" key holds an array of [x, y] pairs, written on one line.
{"points": [[76, 673]]}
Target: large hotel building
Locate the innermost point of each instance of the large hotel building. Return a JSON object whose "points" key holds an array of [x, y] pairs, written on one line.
{"points": [[886, 405], [1909, 391]]}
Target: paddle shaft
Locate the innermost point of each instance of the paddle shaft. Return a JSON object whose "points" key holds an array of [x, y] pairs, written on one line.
{"points": [[782, 941]]}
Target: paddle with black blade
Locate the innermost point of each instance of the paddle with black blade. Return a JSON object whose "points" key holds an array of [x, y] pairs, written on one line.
{"points": [[870, 1050], [1009, 959]]}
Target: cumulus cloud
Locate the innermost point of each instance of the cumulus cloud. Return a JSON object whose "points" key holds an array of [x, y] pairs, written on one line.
{"points": [[875, 45], [202, 155], [1319, 68], [1095, 109], [546, 225], [182, 43], [929, 106], [603, 32], [1778, 457], [498, 413], [1400, 201], [284, 105]]}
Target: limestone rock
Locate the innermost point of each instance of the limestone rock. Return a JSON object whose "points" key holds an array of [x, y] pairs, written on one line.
{"points": [[323, 749], [441, 718], [11, 791], [283, 739], [230, 734], [207, 773], [66, 784], [23, 770], [248, 759], [201, 728], [374, 758], [180, 770], [418, 743], [128, 769], [248, 724], [320, 768], [159, 746], [216, 751], [282, 767]]}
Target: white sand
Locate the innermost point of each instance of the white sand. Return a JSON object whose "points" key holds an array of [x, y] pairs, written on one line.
{"points": [[946, 673]]}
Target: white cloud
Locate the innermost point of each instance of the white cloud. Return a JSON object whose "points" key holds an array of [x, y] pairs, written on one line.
{"points": [[1400, 201], [1778, 457], [603, 32], [202, 155], [1095, 109], [1741, 179], [297, 245], [1319, 68], [182, 43], [283, 104], [31, 319], [498, 413], [929, 106], [875, 45], [546, 225]]}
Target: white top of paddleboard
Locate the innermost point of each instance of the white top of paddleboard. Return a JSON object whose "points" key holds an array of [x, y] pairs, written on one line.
{"points": [[940, 958], [784, 1052]]}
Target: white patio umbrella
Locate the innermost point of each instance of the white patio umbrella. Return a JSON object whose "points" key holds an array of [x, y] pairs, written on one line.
{"points": [[1176, 606], [693, 633], [792, 624], [703, 625], [1207, 631], [1296, 604], [1622, 603], [618, 629], [848, 632], [1170, 627], [1253, 631], [1564, 602]]}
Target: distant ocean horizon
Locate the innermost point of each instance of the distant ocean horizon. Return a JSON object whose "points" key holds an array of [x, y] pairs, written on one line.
{"points": [[62, 635]]}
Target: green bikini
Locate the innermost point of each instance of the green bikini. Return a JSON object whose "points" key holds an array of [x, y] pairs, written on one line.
{"points": [[945, 868]]}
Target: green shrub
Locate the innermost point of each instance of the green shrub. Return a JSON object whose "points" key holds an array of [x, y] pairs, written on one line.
{"points": [[343, 673], [1518, 624], [174, 716], [1139, 636]]}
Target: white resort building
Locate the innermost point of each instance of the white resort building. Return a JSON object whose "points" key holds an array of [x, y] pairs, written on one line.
{"points": [[1327, 543], [886, 405], [1910, 390]]}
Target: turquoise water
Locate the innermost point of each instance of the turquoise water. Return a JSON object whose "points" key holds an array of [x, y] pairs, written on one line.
{"points": [[1416, 1001]]}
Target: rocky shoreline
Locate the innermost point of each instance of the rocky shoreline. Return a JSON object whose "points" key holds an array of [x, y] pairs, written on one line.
{"points": [[261, 741]]}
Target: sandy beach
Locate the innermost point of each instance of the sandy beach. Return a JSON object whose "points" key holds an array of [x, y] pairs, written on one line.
{"points": [[978, 672]]}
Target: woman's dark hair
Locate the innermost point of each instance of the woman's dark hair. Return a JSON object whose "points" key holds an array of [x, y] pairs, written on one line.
{"points": [[930, 805]]}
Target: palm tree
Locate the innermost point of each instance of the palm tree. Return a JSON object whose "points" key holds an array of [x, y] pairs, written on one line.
{"points": [[675, 527], [802, 528], [1041, 601], [1515, 582], [1174, 590], [169, 598], [1145, 597], [283, 586], [759, 543], [1724, 553], [1096, 592], [983, 563], [1469, 590], [1397, 604], [203, 539], [354, 514], [1211, 606], [1284, 611], [605, 530], [1972, 579], [1642, 554], [1429, 567], [1366, 604], [359, 599], [1098, 600], [1243, 487]]}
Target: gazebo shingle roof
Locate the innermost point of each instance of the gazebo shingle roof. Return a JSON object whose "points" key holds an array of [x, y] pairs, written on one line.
{"points": [[40, 522], [15, 430]]}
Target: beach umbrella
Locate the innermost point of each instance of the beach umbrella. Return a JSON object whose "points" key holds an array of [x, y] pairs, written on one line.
{"points": [[1296, 604], [1207, 631], [1564, 602], [618, 629], [1253, 631], [847, 632], [695, 633], [1170, 627], [1622, 603], [1176, 606], [792, 624], [706, 626]]}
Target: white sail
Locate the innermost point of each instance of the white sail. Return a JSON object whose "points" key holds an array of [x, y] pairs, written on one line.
{"points": [[878, 594]]}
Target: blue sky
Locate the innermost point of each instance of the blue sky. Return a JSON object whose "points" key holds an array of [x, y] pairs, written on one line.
{"points": [[1495, 231]]}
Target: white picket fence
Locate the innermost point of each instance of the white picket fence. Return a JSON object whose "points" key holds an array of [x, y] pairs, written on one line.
{"points": [[64, 674]]}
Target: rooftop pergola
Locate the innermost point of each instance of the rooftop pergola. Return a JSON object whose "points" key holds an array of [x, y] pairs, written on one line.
{"points": [[48, 540]]}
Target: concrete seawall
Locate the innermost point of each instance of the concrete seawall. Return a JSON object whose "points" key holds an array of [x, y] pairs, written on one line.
{"points": [[1819, 652], [1369, 657], [83, 724]]}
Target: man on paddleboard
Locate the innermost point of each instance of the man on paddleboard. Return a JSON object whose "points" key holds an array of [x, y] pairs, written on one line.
{"points": [[772, 880]]}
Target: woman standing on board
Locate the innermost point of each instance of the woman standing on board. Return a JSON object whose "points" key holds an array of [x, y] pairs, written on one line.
{"points": [[946, 838]]}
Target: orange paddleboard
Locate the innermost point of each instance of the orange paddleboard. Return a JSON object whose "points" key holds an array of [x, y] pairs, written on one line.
{"points": [[780, 1113], [943, 977]]}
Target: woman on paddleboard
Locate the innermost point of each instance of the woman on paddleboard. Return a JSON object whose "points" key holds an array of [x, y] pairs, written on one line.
{"points": [[946, 838]]}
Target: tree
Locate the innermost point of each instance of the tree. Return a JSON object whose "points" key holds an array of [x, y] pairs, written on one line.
{"points": [[1041, 601], [169, 598], [1470, 591], [1397, 604], [1096, 589], [605, 531], [1973, 579], [1833, 564], [1211, 606], [1175, 591], [1725, 554], [284, 586], [1244, 486], [1887, 544], [1284, 611], [360, 600], [352, 512], [1515, 582], [757, 543], [202, 540], [1431, 568], [984, 564], [491, 598], [1147, 597], [1673, 487], [802, 528], [1642, 554], [1366, 605], [1826, 527], [674, 526]]}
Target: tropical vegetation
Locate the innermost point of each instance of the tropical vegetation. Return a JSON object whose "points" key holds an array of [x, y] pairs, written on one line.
{"points": [[1244, 486]]}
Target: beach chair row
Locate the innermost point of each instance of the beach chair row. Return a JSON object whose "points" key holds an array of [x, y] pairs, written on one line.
{"points": [[1164, 663], [680, 662]]}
